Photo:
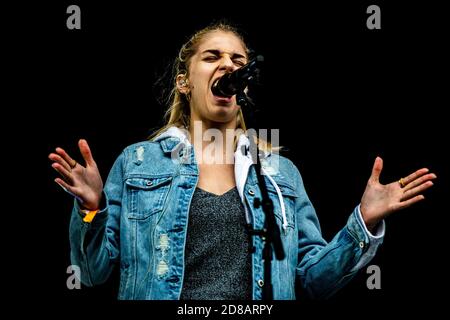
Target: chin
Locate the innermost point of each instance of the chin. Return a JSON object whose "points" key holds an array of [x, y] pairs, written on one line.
{"points": [[221, 117], [224, 113]]}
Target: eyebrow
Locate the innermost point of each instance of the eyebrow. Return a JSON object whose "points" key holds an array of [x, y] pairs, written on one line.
{"points": [[218, 53]]}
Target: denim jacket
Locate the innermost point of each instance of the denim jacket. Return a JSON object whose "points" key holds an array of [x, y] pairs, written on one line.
{"points": [[143, 226]]}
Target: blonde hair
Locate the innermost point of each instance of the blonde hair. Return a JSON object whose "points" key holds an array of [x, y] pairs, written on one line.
{"points": [[178, 112]]}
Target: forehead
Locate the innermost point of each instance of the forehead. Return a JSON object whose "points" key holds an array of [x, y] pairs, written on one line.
{"points": [[223, 41]]}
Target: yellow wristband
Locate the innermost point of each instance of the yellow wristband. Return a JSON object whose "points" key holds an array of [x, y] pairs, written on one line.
{"points": [[89, 215]]}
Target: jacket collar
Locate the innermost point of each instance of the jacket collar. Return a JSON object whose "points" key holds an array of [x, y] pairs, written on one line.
{"points": [[170, 139]]}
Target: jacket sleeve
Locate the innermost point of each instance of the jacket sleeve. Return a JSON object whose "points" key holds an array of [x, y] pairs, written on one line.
{"points": [[95, 246], [323, 268]]}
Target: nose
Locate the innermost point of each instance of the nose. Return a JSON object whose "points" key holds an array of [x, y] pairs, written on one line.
{"points": [[226, 64]]}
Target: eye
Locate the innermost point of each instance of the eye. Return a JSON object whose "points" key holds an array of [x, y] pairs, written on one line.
{"points": [[210, 58], [239, 63]]}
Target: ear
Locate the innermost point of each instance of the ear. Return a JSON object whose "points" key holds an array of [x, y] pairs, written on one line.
{"points": [[182, 84]]}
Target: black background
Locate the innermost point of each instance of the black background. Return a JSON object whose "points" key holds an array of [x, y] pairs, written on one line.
{"points": [[339, 93]]}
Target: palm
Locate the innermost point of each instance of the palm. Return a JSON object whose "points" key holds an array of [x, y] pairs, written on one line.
{"points": [[83, 182], [378, 200], [88, 184]]}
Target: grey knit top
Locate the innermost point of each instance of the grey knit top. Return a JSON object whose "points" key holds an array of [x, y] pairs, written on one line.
{"points": [[217, 256]]}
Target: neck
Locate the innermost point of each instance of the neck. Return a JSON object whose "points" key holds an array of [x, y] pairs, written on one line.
{"points": [[214, 143]]}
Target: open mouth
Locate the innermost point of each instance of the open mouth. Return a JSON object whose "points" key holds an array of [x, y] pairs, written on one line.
{"points": [[218, 95], [216, 90]]}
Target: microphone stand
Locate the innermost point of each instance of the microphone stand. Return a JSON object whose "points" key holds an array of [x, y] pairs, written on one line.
{"points": [[270, 233]]}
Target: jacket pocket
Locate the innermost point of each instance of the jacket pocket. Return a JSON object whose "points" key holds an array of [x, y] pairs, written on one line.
{"points": [[147, 196]]}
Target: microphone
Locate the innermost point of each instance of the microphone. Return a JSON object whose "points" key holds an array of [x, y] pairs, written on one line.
{"points": [[236, 81]]}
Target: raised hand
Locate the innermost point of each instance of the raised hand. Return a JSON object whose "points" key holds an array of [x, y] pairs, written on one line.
{"points": [[378, 200], [83, 182]]}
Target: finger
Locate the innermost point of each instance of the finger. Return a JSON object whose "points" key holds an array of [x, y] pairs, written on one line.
{"points": [[417, 190], [86, 152], [63, 172], [56, 158], [414, 176], [410, 202], [376, 170], [66, 157], [66, 187], [420, 180]]}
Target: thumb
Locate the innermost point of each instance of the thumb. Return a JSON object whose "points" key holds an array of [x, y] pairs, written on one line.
{"points": [[86, 152], [376, 170]]}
